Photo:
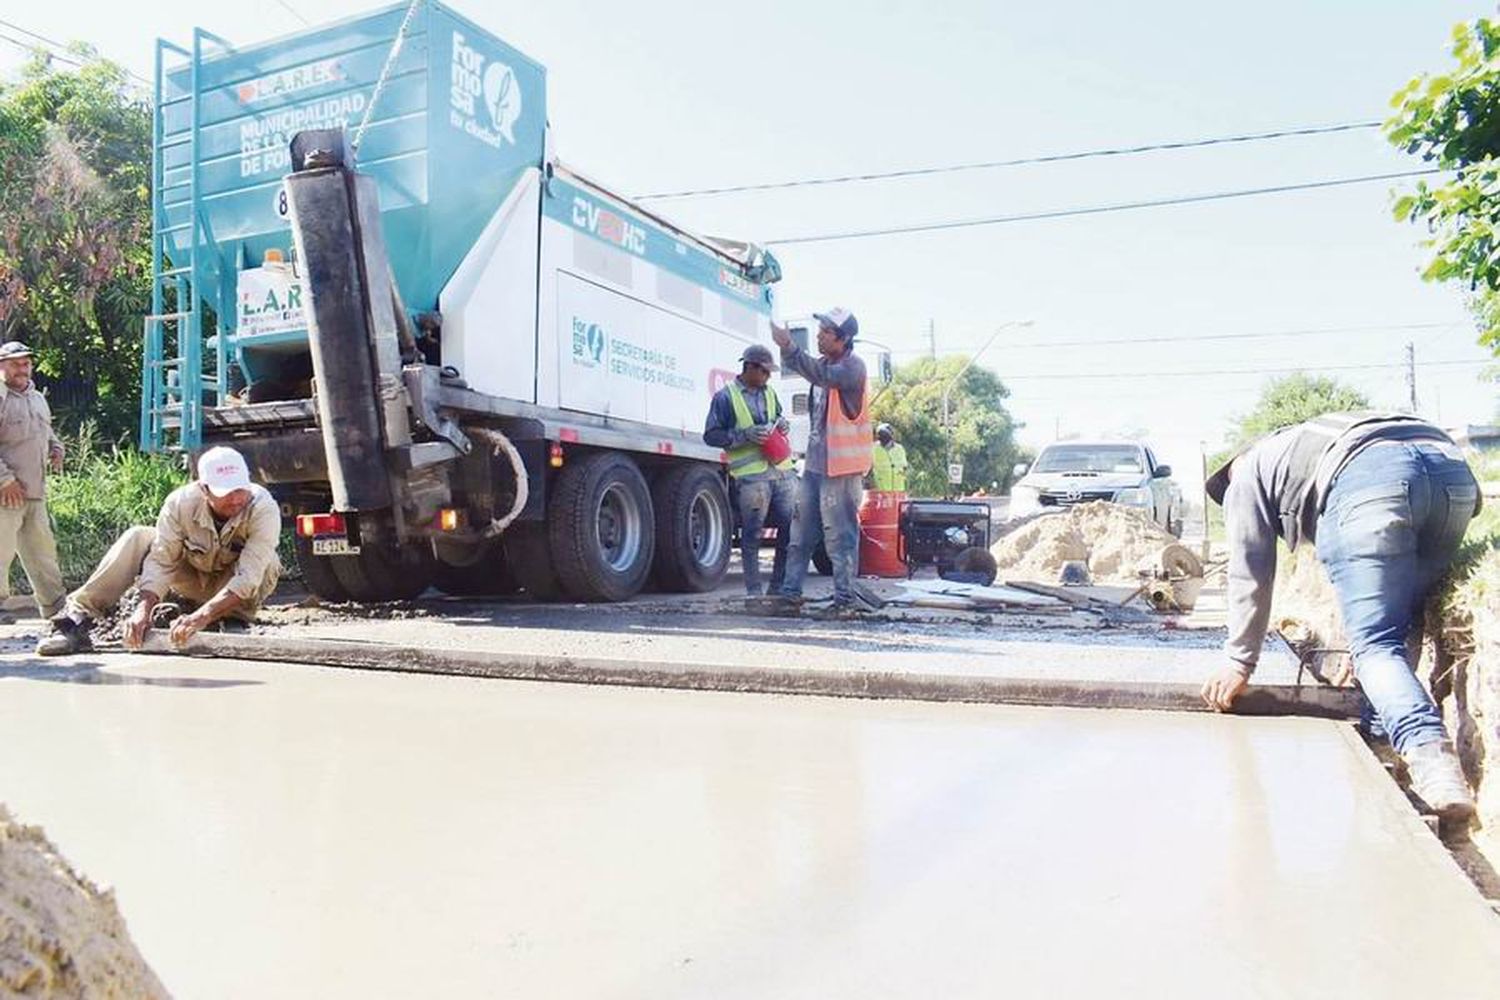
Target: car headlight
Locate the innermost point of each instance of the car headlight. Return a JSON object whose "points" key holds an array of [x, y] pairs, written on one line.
{"points": [[1134, 497], [1024, 499]]}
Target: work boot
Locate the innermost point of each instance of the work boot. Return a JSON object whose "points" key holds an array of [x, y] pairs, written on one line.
{"points": [[68, 637], [1438, 780]]}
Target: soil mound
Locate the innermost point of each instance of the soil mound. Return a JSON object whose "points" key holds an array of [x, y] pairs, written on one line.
{"points": [[60, 935], [1115, 541]]}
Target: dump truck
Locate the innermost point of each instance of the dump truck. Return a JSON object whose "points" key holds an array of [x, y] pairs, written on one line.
{"points": [[452, 358]]}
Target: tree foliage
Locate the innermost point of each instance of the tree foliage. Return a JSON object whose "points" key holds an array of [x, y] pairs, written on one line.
{"points": [[75, 155], [1452, 121], [1292, 399], [983, 430]]}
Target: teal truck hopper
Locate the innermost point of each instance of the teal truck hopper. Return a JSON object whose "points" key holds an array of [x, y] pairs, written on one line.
{"points": [[453, 359]]}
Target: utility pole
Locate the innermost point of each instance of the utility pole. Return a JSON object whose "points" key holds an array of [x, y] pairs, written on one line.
{"points": [[932, 339], [1411, 376], [948, 389]]}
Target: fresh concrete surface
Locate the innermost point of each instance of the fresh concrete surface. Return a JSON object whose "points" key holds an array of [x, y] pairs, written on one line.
{"points": [[302, 832]]}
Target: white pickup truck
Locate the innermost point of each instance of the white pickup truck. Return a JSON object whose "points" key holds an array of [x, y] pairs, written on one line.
{"points": [[1122, 472]]}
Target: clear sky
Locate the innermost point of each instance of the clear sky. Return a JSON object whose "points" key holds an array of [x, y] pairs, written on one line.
{"points": [[661, 95]]}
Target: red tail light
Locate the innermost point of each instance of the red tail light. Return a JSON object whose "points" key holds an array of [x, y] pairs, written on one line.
{"points": [[313, 525]]}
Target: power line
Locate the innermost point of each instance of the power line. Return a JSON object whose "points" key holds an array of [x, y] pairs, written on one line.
{"points": [[59, 51], [33, 47], [1233, 371], [1306, 332], [292, 11], [1017, 162], [1065, 213]]}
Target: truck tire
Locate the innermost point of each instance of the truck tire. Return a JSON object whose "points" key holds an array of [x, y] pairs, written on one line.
{"points": [[383, 573], [602, 528], [692, 529], [476, 570], [317, 572], [528, 556]]}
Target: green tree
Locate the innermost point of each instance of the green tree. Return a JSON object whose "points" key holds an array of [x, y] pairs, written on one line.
{"points": [[75, 155], [1292, 399], [983, 430], [1452, 122]]}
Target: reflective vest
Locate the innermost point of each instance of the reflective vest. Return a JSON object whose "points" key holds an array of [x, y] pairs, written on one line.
{"points": [[849, 440], [889, 472], [747, 459]]}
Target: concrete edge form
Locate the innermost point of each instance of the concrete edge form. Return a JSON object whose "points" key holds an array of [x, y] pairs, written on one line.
{"points": [[1269, 700]]}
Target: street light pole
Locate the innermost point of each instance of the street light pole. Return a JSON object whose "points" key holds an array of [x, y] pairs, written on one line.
{"points": [[948, 389]]}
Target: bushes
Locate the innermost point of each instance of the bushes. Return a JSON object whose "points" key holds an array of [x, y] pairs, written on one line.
{"points": [[102, 490]]}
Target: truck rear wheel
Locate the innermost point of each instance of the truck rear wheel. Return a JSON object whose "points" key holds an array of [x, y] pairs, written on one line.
{"points": [[692, 529], [471, 571], [317, 572], [602, 528], [528, 556], [382, 573]]}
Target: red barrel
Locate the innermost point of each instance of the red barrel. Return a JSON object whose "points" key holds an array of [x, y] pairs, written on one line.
{"points": [[879, 533]]}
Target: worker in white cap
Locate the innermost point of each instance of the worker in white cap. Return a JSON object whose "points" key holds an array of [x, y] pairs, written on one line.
{"points": [[213, 549], [28, 450]]}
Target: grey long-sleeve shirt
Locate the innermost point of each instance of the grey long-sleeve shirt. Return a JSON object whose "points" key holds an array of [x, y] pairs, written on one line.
{"points": [[1253, 518], [847, 375]]}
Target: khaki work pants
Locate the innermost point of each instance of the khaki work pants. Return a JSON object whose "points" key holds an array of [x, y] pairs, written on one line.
{"points": [[121, 566], [27, 531]]}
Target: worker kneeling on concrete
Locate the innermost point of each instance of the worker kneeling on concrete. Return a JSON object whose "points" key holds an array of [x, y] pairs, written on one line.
{"points": [[213, 547], [1386, 499]]}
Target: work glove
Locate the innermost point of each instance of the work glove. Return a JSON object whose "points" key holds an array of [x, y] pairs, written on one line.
{"points": [[758, 433], [783, 425]]}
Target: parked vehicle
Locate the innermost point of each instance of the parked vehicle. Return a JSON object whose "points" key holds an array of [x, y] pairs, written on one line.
{"points": [[1122, 472]]}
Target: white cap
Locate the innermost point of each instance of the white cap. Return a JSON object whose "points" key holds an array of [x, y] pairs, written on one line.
{"points": [[223, 471]]}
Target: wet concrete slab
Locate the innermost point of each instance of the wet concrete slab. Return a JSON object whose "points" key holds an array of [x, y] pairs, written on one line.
{"points": [[302, 832]]}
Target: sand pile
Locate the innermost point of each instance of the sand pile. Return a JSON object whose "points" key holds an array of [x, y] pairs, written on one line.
{"points": [[1113, 540], [60, 936]]}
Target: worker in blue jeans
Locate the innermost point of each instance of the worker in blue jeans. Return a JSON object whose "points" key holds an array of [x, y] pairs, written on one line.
{"points": [[838, 455], [1386, 498]]}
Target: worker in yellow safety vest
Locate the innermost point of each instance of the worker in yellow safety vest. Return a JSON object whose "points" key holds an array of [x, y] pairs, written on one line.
{"points": [[742, 417], [889, 469]]}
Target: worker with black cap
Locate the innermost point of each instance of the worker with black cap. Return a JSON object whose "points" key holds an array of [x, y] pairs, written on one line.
{"points": [[28, 448], [745, 419], [1386, 498], [838, 455]]}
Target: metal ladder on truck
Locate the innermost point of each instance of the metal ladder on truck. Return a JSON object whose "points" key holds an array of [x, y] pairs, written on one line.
{"points": [[179, 366]]}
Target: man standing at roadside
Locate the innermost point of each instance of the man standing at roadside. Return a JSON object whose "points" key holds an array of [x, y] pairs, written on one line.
{"points": [[213, 549], [838, 454], [889, 470], [1386, 499], [28, 447], [742, 417]]}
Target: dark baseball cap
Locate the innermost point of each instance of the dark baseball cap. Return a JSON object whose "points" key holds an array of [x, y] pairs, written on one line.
{"points": [[759, 354], [1217, 484]]}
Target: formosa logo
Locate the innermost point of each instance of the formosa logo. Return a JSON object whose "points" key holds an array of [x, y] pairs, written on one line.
{"points": [[475, 76], [608, 226], [588, 343]]}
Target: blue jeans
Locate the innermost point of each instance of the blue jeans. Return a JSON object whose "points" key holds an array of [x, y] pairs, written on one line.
{"points": [[763, 503], [827, 512], [1392, 522]]}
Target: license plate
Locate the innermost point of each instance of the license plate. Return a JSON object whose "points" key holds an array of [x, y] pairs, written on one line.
{"points": [[337, 545]]}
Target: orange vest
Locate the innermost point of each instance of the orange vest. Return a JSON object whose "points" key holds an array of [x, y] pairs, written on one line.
{"points": [[849, 440]]}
